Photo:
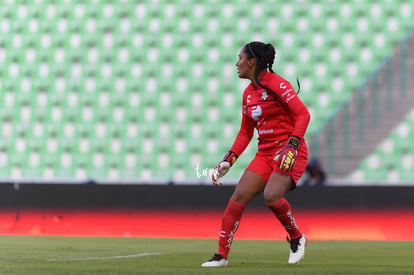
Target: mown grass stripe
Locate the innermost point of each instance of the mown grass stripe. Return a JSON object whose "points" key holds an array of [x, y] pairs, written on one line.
{"points": [[104, 258]]}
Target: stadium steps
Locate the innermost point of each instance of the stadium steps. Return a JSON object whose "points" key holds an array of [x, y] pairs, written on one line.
{"points": [[344, 164], [391, 110]]}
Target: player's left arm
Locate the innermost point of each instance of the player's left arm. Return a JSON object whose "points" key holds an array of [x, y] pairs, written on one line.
{"points": [[302, 116], [286, 157], [289, 96]]}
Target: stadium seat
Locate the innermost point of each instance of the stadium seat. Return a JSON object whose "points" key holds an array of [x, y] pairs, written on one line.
{"points": [[397, 154], [160, 79]]}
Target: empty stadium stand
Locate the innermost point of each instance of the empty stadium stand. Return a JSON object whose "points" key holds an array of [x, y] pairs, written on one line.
{"points": [[148, 89]]}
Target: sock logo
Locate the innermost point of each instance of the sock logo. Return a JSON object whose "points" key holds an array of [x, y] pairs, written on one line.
{"points": [[292, 220], [231, 235]]}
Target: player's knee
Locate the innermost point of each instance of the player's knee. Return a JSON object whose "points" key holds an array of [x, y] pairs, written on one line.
{"points": [[270, 197], [242, 197]]}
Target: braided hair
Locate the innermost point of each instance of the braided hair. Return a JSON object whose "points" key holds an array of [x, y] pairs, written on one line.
{"points": [[265, 57]]}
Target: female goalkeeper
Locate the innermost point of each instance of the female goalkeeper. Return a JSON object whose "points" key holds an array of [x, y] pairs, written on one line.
{"points": [[272, 106]]}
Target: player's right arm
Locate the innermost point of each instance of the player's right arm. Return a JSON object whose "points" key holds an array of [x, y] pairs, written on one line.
{"points": [[243, 139], [244, 136]]}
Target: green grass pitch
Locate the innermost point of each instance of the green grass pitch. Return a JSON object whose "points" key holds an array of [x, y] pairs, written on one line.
{"points": [[81, 255]]}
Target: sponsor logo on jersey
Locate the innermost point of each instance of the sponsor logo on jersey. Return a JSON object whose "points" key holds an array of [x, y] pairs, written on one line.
{"points": [[256, 112], [248, 98], [287, 92], [267, 131], [290, 98], [287, 95], [283, 85]]}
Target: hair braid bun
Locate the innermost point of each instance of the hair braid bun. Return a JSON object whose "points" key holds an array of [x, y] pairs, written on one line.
{"points": [[269, 53], [269, 56]]}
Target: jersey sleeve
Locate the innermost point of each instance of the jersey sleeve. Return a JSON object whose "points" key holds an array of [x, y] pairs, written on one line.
{"points": [[246, 131], [302, 116], [244, 136], [290, 98]]}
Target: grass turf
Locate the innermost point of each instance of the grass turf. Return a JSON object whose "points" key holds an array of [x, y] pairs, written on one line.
{"points": [[70, 255]]}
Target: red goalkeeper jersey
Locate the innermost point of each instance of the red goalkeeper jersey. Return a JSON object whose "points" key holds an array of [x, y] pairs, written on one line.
{"points": [[274, 117]]}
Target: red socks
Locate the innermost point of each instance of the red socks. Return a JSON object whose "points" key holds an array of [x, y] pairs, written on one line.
{"points": [[233, 214], [229, 225], [283, 213]]}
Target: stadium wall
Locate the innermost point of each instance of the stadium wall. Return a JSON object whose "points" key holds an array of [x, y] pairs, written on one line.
{"points": [[104, 196]]}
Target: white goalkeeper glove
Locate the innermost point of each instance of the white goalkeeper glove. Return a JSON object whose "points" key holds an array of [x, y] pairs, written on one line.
{"points": [[223, 167]]}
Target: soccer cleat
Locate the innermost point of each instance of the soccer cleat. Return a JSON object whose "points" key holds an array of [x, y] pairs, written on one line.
{"points": [[297, 249], [216, 261]]}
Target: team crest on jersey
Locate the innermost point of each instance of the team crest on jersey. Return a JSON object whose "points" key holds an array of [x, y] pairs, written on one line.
{"points": [[264, 95]]}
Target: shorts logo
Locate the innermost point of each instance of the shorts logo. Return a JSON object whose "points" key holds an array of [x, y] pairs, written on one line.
{"points": [[283, 85]]}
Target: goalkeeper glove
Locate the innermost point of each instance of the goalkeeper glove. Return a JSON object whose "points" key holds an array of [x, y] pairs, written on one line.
{"points": [[223, 167], [286, 157]]}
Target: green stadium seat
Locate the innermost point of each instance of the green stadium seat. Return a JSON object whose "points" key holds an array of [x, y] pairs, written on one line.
{"points": [[398, 156], [406, 175]]}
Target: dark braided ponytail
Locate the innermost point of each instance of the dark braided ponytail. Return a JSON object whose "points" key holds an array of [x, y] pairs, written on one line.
{"points": [[265, 57]]}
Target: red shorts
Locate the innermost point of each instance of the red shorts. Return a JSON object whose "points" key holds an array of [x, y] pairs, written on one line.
{"points": [[264, 165]]}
